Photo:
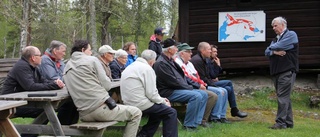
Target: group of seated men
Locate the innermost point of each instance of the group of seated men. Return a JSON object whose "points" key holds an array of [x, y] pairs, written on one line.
{"points": [[148, 84]]}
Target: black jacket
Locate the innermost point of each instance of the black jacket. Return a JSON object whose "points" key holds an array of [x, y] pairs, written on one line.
{"points": [[170, 76], [24, 77], [156, 47], [201, 65]]}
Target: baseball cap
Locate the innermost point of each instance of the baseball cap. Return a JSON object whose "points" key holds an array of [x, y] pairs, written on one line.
{"points": [[160, 31], [169, 42], [106, 49], [184, 46]]}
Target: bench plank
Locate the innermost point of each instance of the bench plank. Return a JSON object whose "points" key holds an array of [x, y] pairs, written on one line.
{"points": [[93, 125]]}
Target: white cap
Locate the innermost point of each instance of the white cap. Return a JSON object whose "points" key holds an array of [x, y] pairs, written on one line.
{"points": [[106, 49]]}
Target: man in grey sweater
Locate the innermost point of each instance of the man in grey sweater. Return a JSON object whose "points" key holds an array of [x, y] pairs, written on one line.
{"points": [[88, 86], [138, 88]]}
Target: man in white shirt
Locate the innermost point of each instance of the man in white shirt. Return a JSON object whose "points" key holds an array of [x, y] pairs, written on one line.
{"points": [[138, 88]]}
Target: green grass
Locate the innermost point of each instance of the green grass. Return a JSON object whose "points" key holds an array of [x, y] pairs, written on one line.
{"points": [[261, 106]]}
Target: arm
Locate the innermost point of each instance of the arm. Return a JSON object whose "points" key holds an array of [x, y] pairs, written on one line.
{"points": [[149, 81], [195, 85], [286, 42], [101, 74], [171, 80], [31, 80]]}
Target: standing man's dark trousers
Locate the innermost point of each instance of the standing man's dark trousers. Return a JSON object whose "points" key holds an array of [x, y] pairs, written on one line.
{"points": [[158, 113], [284, 83]]}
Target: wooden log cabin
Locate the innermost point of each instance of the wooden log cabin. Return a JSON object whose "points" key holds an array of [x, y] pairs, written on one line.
{"points": [[198, 21]]}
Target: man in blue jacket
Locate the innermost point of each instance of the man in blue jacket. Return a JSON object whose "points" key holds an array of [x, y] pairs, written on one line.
{"points": [[283, 56]]}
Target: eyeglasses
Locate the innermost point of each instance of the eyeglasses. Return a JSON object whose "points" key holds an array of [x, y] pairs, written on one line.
{"points": [[37, 55], [188, 51]]}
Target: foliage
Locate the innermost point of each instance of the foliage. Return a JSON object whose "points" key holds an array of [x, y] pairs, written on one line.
{"points": [[66, 20]]}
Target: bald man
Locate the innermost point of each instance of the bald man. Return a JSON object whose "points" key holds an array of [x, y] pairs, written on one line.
{"points": [[25, 76]]}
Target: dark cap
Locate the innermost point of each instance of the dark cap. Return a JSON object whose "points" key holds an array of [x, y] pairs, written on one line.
{"points": [[184, 46], [159, 31], [169, 42]]}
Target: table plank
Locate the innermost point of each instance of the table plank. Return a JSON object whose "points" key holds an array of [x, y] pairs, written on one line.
{"points": [[11, 104]]}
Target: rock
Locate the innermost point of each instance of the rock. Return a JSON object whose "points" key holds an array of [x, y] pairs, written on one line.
{"points": [[314, 101]]}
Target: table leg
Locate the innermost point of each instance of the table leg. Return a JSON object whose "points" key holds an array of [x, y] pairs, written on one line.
{"points": [[6, 126], [53, 119]]}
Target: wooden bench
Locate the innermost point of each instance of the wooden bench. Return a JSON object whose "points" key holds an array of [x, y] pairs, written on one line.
{"points": [[91, 128], [6, 65]]}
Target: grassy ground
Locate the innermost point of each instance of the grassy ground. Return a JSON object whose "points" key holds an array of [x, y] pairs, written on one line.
{"points": [[261, 106]]}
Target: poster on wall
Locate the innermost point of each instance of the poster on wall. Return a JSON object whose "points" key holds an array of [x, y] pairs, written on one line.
{"points": [[242, 26]]}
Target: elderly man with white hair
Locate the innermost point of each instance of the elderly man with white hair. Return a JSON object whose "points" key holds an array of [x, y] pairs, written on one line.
{"points": [[106, 56], [119, 63], [139, 89], [283, 54]]}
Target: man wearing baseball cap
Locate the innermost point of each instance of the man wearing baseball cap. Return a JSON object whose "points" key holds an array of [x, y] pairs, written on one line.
{"points": [[155, 40], [172, 84]]}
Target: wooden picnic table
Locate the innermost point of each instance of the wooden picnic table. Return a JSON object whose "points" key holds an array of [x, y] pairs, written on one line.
{"points": [[48, 104], [7, 109]]}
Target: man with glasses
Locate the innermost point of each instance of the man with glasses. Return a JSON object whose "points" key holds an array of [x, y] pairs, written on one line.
{"points": [[25, 76], [106, 57]]}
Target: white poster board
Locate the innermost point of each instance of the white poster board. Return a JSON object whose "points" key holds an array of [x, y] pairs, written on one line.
{"points": [[243, 26]]}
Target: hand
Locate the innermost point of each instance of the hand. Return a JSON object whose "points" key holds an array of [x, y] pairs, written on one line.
{"points": [[167, 102], [59, 83], [202, 87], [215, 80], [280, 53], [217, 60]]}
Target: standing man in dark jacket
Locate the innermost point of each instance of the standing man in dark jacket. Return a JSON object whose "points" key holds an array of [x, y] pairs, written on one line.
{"points": [[200, 62], [172, 84], [283, 56], [25, 76], [155, 41]]}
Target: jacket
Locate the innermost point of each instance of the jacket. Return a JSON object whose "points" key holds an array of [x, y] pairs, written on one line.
{"points": [[201, 65], [116, 69], [24, 77], [170, 76], [155, 45], [87, 82], [49, 68], [138, 86]]}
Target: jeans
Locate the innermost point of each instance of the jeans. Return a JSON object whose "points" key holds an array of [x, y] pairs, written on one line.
{"points": [[227, 84], [219, 111], [196, 99], [156, 114]]}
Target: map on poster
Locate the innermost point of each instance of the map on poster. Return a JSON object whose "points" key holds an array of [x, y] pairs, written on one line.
{"points": [[244, 26]]}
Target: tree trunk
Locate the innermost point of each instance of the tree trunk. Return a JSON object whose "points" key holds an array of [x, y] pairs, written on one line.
{"points": [[24, 25], [93, 25], [106, 7]]}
